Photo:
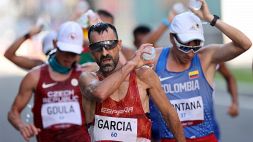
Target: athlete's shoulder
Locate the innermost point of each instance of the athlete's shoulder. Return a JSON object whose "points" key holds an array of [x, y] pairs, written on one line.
{"points": [[87, 77], [208, 49], [37, 69], [146, 77], [206, 53], [88, 67], [159, 50], [88, 74], [145, 72], [32, 77]]}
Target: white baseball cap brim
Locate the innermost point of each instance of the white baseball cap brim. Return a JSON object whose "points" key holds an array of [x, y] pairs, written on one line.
{"points": [[69, 47], [187, 37]]}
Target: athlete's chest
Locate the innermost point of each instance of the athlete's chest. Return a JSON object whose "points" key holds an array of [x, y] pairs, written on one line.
{"points": [[184, 82], [66, 91], [121, 92]]}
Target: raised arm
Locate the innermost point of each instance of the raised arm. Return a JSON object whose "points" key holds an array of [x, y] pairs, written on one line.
{"points": [[100, 90], [92, 88], [22, 61], [162, 102], [232, 89], [21, 100], [156, 34], [239, 41]]}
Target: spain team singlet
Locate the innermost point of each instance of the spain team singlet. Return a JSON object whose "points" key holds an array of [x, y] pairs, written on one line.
{"points": [[191, 96], [123, 120], [58, 109]]}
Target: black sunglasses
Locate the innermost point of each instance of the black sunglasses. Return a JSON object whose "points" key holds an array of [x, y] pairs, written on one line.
{"points": [[185, 48], [108, 45]]}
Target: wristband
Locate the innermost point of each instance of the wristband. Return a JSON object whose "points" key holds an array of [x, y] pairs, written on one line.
{"points": [[26, 36], [215, 18], [166, 22]]}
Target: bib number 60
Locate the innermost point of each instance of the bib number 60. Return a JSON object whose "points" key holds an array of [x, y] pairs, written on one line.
{"points": [[114, 134]]}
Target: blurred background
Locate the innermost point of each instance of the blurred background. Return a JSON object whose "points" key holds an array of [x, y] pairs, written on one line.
{"points": [[18, 16]]}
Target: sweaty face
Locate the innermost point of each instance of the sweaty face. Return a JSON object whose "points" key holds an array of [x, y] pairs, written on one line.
{"points": [[184, 56], [105, 49], [107, 63]]}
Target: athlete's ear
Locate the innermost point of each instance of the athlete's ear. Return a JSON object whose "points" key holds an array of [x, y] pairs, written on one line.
{"points": [[120, 44], [136, 43], [54, 43], [172, 39]]}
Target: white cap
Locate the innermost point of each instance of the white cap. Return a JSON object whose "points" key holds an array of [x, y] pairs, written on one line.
{"points": [[70, 37], [187, 26], [47, 43]]}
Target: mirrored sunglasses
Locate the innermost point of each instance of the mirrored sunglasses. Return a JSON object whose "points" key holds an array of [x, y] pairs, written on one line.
{"points": [[186, 48], [98, 46]]}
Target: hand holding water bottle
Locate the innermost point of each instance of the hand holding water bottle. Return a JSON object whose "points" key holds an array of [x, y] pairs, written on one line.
{"points": [[149, 53], [195, 4], [177, 8], [203, 13]]}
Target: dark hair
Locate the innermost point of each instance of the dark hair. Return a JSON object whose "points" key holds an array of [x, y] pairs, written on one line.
{"points": [[105, 13], [142, 29], [100, 28]]}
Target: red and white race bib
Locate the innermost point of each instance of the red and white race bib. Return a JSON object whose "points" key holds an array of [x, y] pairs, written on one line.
{"points": [[117, 129], [60, 113], [189, 110]]}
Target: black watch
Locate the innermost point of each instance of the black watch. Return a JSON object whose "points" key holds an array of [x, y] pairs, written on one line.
{"points": [[215, 18], [26, 36]]}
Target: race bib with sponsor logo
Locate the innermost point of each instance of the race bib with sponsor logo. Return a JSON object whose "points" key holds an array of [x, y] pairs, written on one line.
{"points": [[60, 113], [117, 129], [190, 111]]}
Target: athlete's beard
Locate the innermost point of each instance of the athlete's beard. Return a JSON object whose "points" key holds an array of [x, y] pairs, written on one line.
{"points": [[107, 68]]}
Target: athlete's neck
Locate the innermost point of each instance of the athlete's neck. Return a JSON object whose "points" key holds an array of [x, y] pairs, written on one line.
{"points": [[57, 67], [177, 63]]}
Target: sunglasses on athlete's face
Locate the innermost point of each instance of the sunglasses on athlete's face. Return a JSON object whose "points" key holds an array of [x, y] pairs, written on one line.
{"points": [[186, 48], [98, 46]]}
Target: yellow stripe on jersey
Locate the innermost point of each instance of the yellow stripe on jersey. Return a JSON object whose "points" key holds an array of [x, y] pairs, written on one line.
{"points": [[194, 74]]}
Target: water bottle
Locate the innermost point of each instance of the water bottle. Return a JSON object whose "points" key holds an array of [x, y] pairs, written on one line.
{"points": [[147, 56], [84, 22], [195, 4], [28, 114], [84, 19], [45, 22]]}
